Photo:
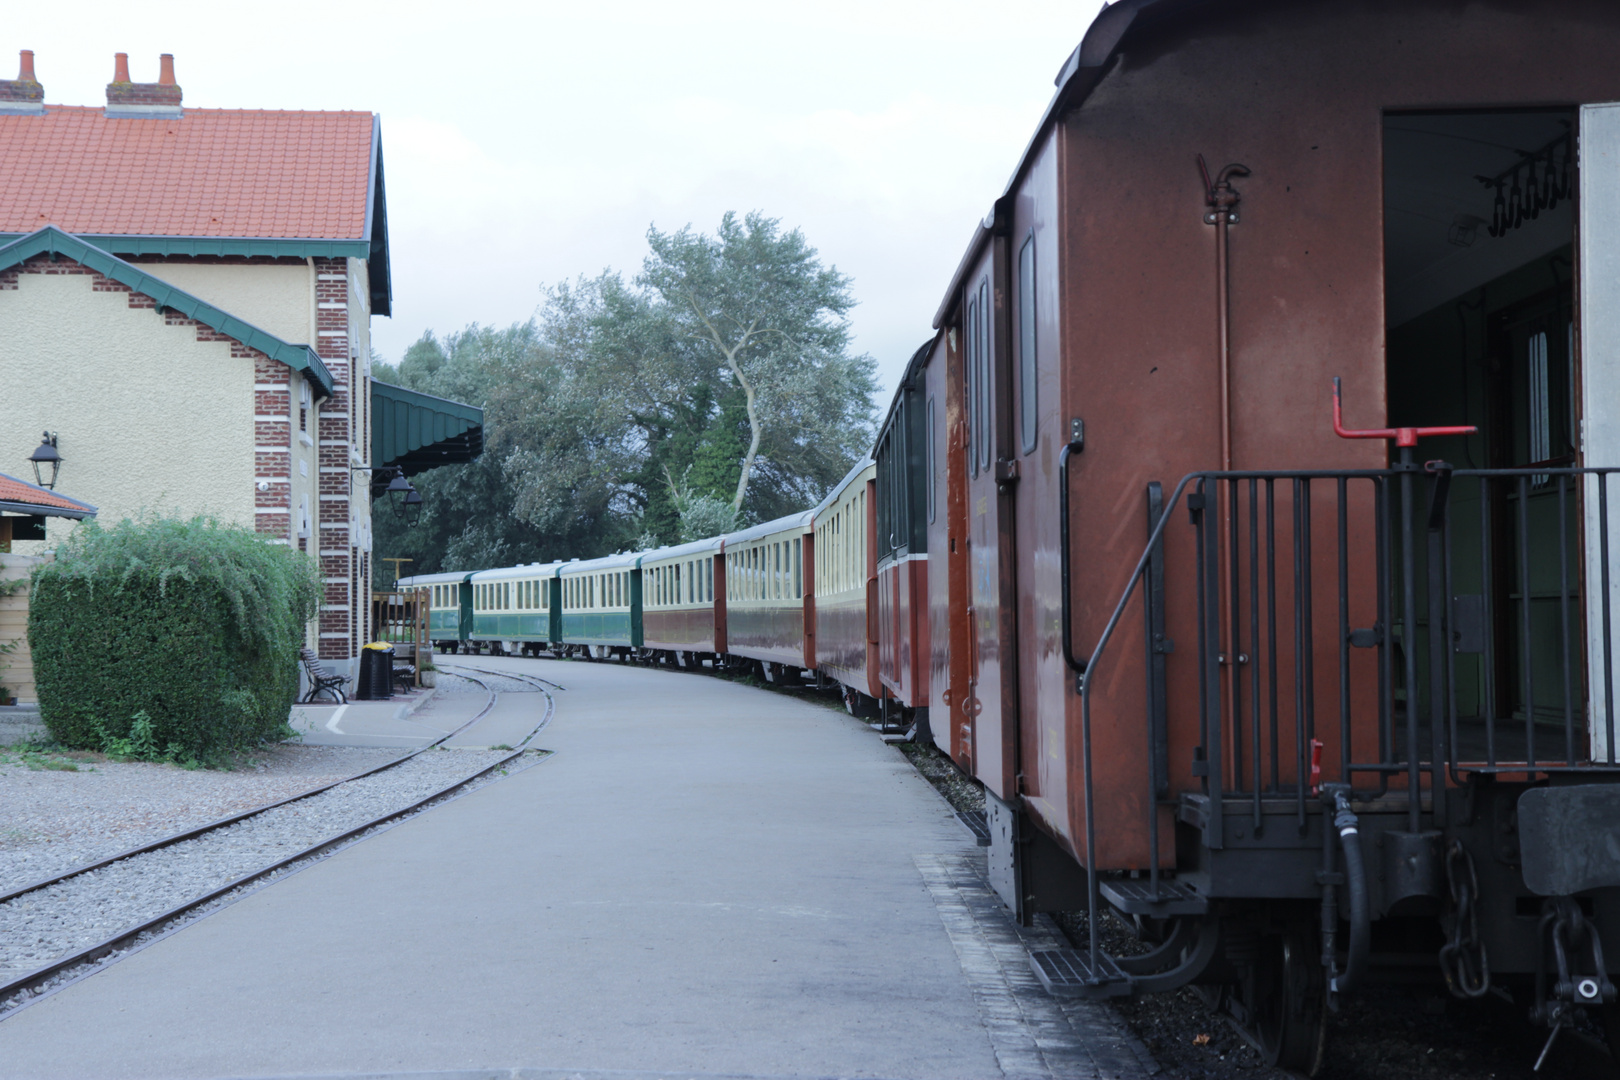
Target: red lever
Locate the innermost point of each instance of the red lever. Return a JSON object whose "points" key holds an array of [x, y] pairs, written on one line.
{"points": [[1405, 436], [1316, 762]]}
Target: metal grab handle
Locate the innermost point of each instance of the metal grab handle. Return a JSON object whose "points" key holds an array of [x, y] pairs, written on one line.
{"points": [[1075, 665], [1404, 437]]}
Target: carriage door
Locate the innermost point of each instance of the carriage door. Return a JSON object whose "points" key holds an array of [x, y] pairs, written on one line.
{"points": [[1598, 279], [991, 703]]}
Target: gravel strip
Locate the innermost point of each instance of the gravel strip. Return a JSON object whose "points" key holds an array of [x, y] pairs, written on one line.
{"points": [[82, 971], [501, 684], [53, 819], [41, 926]]}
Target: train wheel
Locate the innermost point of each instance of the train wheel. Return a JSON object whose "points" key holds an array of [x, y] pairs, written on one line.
{"points": [[1290, 998]]}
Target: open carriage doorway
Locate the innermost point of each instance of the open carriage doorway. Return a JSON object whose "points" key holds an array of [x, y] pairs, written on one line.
{"points": [[1479, 249]]}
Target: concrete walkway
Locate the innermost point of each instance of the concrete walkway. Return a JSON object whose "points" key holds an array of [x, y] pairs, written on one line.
{"points": [[705, 879]]}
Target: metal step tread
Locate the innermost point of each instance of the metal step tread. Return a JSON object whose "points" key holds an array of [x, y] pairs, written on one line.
{"points": [[1068, 973], [977, 825], [1135, 896]]}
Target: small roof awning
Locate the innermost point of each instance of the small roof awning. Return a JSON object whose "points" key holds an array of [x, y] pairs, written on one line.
{"points": [[20, 497], [418, 431]]}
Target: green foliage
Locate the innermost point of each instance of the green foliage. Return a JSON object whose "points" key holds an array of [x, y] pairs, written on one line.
{"points": [[169, 639], [624, 412], [768, 323]]}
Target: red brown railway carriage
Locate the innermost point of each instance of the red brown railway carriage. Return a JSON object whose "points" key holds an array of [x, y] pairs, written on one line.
{"points": [[1298, 703], [683, 611], [899, 607], [845, 538], [769, 596]]}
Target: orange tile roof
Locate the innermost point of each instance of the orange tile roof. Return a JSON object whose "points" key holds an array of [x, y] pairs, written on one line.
{"points": [[213, 172], [14, 491]]}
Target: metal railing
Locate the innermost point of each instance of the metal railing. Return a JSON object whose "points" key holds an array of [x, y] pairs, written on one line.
{"points": [[1424, 621]]}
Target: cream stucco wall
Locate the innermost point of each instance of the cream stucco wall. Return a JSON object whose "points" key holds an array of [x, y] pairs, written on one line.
{"points": [[277, 298], [149, 418]]}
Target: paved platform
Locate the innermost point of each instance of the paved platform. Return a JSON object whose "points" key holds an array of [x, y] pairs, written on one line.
{"points": [[406, 721], [704, 880]]}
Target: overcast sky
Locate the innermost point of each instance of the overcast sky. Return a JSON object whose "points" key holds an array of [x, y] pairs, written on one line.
{"points": [[528, 143]]}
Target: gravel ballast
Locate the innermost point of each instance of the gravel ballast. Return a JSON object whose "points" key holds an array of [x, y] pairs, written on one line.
{"points": [[41, 926], [53, 819]]}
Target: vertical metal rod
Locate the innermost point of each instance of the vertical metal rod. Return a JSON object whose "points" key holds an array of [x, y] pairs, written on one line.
{"points": [[1149, 630], [1254, 647], [1216, 746], [1343, 502], [1301, 571], [1152, 734], [1198, 515], [1608, 638], [1414, 775], [1271, 628], [1308, 637], [1563, 617], [1234, 630], [1487, 590], [1524, 620], [1450, 651], [1386, 652], [1439, 491]]}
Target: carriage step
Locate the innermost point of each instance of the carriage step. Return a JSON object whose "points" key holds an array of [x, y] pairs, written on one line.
{"points": [[1068, 973], [976, 824], [1136, 897]]}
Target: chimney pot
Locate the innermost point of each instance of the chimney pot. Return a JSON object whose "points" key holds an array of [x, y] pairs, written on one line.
{"points": [[120, 67], [25, 70], [166, 70]]}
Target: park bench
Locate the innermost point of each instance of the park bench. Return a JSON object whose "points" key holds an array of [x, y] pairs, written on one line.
{"points": [[321, 678]]}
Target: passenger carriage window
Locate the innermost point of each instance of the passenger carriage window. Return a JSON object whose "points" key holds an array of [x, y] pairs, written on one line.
{"points": [[985, 365], [928, 455], [970, 381], [1028, 414], [798, 576]]}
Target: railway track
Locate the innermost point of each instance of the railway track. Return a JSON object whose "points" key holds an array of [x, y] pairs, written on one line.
{"points": [[22, 991]]}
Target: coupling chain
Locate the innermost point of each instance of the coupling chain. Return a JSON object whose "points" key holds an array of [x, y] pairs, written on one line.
{"points": [[1462, 959]]}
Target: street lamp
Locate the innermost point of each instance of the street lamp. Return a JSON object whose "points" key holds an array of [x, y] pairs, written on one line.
{"points": [[46, 461], [412, 506], [399, 486]]}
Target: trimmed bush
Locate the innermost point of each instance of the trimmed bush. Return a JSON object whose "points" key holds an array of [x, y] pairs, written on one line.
{"points": [[191, 626]]}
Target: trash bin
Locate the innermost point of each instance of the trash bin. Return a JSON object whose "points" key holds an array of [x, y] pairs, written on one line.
{"points": [[375, 681]]}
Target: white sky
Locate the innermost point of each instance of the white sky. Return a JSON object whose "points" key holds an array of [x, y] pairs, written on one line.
{"points": [[528, 143]]}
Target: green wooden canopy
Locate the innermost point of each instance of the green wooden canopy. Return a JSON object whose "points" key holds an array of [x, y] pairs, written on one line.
{"points": [[418, 431]]}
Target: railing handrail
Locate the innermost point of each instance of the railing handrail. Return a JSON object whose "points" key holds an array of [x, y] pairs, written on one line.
{"points": [[1085, 669]]}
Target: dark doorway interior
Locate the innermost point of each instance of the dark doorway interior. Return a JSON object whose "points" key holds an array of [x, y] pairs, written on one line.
{"points": [[1478, 240]]}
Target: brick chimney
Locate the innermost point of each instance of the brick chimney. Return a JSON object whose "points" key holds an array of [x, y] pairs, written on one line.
{"points": [[133, 100], [22, 94]]}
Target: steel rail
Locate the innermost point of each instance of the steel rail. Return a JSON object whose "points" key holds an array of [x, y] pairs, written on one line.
{"points": [[200, 830], [129, 935]]}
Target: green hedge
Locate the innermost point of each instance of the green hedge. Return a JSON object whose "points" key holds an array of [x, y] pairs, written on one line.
{"points": [[195, 624]]}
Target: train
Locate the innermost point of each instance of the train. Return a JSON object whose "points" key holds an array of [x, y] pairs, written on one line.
{"points": [[1246, 524]]}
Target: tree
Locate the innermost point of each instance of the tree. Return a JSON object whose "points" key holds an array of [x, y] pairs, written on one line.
{"points": [[771, 323], [715, 389]]}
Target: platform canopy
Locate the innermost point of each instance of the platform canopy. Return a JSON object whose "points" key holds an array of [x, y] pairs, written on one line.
{"points": [[418, 431]]}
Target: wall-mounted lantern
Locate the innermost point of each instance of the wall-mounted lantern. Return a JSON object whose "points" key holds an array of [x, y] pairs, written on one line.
{"points": [[412, 506], [46, 461]]}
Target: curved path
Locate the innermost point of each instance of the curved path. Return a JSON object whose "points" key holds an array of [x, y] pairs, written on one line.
{"points": [[705, 879]]}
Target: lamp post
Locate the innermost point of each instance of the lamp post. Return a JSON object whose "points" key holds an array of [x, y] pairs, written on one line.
{"points": [[46, 461]]}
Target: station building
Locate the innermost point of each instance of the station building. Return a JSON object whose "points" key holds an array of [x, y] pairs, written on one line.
{"points": [[186, 299]]}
